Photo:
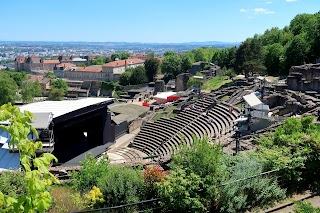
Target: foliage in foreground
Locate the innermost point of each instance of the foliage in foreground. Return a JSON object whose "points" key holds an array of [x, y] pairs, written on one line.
{"points": [[238, 196], [66, 200], [36, 169], [91, 171], [12, 184], [305, 207], [192, 184], [294, 146], [121, 185]]}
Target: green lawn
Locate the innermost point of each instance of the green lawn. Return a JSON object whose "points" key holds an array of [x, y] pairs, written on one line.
{"points": [[225, 98], [216, 83], [157, 117]]}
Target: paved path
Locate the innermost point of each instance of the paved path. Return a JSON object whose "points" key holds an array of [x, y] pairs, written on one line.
{"points": [[288, 207]]}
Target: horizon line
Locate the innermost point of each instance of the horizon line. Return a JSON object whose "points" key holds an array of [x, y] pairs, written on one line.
{"points": [[230, 42]]}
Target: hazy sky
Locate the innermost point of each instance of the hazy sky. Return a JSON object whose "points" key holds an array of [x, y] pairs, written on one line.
{"points": [[145, 20]]}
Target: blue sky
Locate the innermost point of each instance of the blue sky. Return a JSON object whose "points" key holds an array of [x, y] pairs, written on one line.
{"points": [[145, 20]]}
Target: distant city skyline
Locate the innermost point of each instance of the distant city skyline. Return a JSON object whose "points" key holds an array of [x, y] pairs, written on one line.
{"points": [[145, 21]]}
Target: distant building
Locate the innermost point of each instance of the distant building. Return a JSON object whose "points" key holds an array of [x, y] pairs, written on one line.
{"points": [[33, 63], [70, 71], [114, 69]]}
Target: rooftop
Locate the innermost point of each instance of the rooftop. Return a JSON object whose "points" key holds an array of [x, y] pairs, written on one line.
{"points": [[122, 63], [58, 108]]}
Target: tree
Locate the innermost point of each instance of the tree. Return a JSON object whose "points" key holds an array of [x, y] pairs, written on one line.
{"points": [[169, 53], [138, 75], [60, 84], [36, 169], [192, 185], [99, 61], [295, 52], [29, 90], [49, 75], [124, 78], [8, 89], [201, 55], [250, 56], [56, 94], [274, 60], [299, 24], [171, 65], [120, 56], [18, 77], [152, 66], [187, 60]]}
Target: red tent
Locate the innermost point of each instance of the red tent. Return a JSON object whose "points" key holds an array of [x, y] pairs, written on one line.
{"points": [[173, 98]]}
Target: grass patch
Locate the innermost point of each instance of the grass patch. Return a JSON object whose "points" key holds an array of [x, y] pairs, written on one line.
{"points": [[66, 200], [225, 98], [158, 116], [172, 115], [240, 105], [216, 82]]}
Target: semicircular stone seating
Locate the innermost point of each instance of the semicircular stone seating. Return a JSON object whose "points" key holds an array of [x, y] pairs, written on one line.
{"points": [[204, 119]]}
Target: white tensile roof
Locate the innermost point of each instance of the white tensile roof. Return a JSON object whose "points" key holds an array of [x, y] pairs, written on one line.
{"points": [[164, 95], [252, 100], [58, 108]]}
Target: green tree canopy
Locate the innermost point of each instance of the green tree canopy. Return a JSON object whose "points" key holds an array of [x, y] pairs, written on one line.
{"points": [[120, 56], [296, 51], [274, 60], [59, 84], [99, 61], [171, 65], [8, 89], [187, 60], [152, 66], [56, 94], [18, 77], [138, 75], [124, 78], [49, 75], [29, 90]]}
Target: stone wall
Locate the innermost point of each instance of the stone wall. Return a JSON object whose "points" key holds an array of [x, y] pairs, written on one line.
{"points": [[304, 78], [182, 82], [82, 76]]}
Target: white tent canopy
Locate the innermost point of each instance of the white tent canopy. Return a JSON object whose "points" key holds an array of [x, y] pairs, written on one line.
{"points": [[164, 95]]}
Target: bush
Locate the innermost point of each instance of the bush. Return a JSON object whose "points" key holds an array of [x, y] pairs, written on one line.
{"points": [[121, 185], [194, 179], [12, 184], [305, 207], [91, 170], [152, 175], [259, 191], [66, 200]]}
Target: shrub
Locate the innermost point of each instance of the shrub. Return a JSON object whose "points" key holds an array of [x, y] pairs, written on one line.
{"points": [[194, 179], [92, 169], [305, 207], [12, 184], [66, 200], [152, 175], [121, 185], [94, 197], [259, 191]]}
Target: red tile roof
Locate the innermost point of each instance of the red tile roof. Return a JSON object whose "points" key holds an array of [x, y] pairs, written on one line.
{"points": [[122, 63], [89, 69], [66, 65], [30, 76], [51, 61]]}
